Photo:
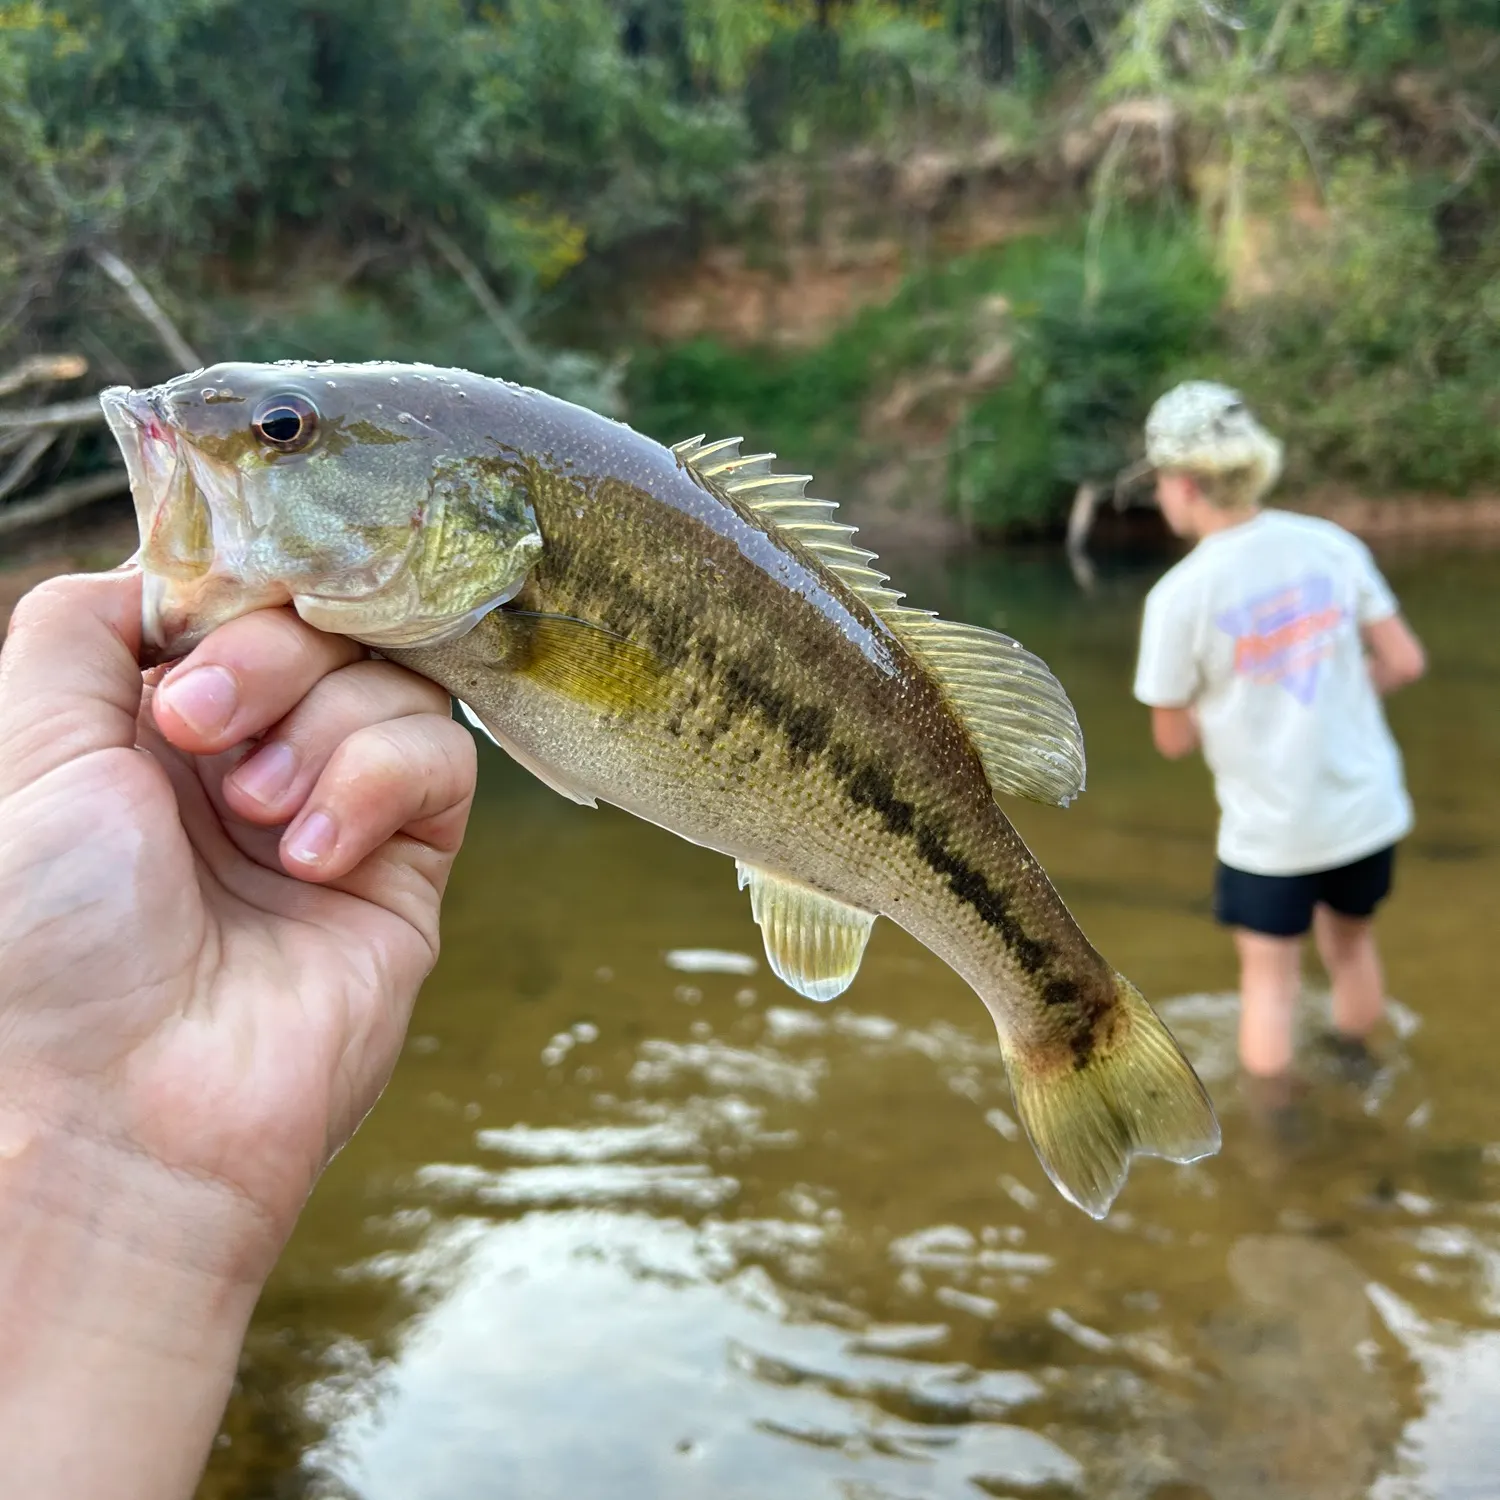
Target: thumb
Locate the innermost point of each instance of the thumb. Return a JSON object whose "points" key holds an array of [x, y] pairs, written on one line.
{"points": [[70, 678]]}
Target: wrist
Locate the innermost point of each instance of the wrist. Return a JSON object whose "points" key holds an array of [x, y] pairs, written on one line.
{"points": [[125, 1290]]}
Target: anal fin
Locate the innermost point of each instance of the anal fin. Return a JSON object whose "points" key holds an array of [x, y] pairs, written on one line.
{"points": [[813, 943]]}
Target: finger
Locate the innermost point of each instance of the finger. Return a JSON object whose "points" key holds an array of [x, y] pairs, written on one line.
{"points": [[70, 678], [273, 782], [245, 677], [413, 775]]}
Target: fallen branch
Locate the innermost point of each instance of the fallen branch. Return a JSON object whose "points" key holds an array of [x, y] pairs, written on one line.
{"points": [[62, 414], [53, 503], [147, 306], [479, 289], [28, 458], [1080, 524], [41, 368]]}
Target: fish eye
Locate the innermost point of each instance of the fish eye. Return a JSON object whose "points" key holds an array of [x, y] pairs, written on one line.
{"points": [[286, 423]]}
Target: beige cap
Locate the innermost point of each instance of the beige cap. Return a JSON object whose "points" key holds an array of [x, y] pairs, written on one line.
{"points": [[1206, 428]]}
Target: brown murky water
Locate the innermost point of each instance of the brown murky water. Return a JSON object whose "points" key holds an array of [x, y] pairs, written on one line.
{"points": [[620, 1230]]}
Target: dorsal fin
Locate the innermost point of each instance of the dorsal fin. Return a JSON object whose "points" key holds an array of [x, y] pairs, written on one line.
{"points": [[781, 499], [1022, 722], [1015, 710]]}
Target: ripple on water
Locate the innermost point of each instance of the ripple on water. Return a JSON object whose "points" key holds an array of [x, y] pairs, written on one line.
{"points": [[675, 1234]]}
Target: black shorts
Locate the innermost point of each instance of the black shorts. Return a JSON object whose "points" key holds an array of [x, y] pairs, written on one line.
{"points": [[1282, 905]]}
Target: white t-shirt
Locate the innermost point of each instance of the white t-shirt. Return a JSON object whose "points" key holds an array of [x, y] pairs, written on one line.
{"points": [[1258, 627]]}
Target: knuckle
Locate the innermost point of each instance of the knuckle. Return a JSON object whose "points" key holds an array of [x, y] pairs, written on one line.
{"points": [[374, 756], [49, 597]]}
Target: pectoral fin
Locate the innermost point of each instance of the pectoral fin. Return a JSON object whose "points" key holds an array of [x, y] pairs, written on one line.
{"points": [[813, 943], [582, 661]]}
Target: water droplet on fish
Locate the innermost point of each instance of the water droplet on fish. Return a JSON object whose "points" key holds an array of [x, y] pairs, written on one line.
{"points": [[331, 386], [405, 416], [395, 380]]}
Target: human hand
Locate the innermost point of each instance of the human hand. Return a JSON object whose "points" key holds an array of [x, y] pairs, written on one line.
{"points": [[209, 951]]}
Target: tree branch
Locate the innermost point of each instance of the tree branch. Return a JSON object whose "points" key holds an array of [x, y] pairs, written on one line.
{"points": [[41, 368], [479, 289], [62, 414], [147, 306], [25, 461], [59, 501], [1099, 211]]}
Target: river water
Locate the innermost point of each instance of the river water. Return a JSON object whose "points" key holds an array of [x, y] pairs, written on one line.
{"points": [[621, 1229]]}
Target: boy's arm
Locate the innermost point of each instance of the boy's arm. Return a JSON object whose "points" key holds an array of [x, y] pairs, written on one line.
{"points": [[1175, 731], [1166, 675], [1396, 657], [1394, 654]]}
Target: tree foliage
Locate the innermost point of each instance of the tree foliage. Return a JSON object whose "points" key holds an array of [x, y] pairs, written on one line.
{"points": [[428, 178]]}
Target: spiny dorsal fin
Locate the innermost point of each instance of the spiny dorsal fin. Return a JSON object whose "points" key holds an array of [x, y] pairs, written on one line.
{"points": [[813, 943], [1021, 721], [781, 499]]}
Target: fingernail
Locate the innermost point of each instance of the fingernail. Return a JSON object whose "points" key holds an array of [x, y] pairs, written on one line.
{"points": [[204, 698], [314, 839], [266, 774]]}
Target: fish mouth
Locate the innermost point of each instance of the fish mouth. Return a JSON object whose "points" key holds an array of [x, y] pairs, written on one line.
{"points": [[185, 509], [149, 448]]}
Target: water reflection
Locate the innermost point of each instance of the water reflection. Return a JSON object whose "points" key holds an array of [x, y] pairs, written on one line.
{"points": [[634, 1221]]}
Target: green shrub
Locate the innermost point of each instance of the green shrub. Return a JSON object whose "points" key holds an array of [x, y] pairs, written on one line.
{"points": [[1096, 343]]}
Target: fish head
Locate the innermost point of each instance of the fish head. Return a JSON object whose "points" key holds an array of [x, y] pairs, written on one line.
{"points": [[365, 495]]}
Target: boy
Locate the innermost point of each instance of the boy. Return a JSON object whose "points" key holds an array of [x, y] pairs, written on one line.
{"points": [[1269, 645]]}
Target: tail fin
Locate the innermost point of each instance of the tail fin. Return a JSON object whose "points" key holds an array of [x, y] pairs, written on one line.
{"points": [[1134, 1095]]}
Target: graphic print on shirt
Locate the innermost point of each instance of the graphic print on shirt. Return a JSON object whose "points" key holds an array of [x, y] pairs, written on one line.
{"points": [[1285, 635]]}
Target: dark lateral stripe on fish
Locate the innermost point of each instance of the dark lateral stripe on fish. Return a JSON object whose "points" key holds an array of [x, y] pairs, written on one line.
{"points": [[805, 731], [870, 786], [620, 604]]}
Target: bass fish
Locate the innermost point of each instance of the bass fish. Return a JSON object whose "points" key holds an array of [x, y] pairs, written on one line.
{"points": [[685, 633]]}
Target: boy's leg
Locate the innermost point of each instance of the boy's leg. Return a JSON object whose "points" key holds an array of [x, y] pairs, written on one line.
{"points": [[1270, 915], [1270, 979], [1347, 947], [1344, 927]]}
